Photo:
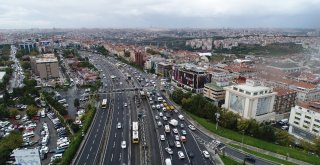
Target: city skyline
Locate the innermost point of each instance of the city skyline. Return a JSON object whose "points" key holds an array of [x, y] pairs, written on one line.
{"points": [[20, 14]]}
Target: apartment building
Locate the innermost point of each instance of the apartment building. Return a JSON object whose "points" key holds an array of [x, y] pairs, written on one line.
{"points": [[45, 66], [306, 91], [304, 120], [284, 101], [28, 46], [251, 100], [190, 77]]}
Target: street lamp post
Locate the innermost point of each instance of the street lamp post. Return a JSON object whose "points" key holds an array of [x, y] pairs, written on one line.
{"points": [[217, 119]]}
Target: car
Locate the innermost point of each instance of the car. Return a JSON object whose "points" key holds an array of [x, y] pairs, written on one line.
{"points": [[161, 114], [184, 132], [162, 138], [176, 111], [169, 150], [164, 118], [125, 104], [176, 137], [175, 130], [119, 125], [157, 117], [153, 107], [159, 123], [183, 139], [181, 155], [192, 127], [206, 154], [250, 159], [190, 154], [123, 144], [178, 144]]}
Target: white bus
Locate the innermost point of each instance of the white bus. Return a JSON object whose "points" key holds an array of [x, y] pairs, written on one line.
{"points": [[104, 104], [135, 132]]}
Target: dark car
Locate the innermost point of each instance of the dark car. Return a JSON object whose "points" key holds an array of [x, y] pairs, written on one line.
{"points": [[190, 154], [171, 143], [249, 159]]}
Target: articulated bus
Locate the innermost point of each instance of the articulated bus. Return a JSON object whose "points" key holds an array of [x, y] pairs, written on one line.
{"points": [[135, 132], [104, 104]]}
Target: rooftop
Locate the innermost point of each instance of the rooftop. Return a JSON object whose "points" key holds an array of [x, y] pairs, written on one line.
{"points": [[304, 85], [314, 106], [283, 91], [213, 86], [284, 65], [250, 88]]}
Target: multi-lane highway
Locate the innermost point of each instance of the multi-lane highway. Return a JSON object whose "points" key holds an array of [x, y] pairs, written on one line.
{"points": [[103, 142]]}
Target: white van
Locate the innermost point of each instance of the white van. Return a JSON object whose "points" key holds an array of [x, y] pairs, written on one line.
{"points": [[56, 156], [284, 121], [168, 161], [28, 134], [43, 113], [181, 117]]}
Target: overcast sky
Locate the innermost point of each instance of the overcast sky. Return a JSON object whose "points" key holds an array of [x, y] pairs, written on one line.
{"points": [[159, 13]]}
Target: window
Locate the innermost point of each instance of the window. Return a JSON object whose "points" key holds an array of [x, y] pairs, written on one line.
{"points": [[248, 93], [314, 130], [261, 93], [297, 118], [241, 90], [305, 126], [297, 113], [308, 122], [315, 125], [255, 93], [317, 120], [234, 88], [295, 122], [308, 117]]}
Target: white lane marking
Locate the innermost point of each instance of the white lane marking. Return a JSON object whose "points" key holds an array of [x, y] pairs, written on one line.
{"points": [[115, 135], [90, 148], [111, 157], [93, 141], [95, 135], [117, 119], [114, 144], [99, 125], [120, 157], [88, 156], [118, 112], [97, 130], [122, 134]]}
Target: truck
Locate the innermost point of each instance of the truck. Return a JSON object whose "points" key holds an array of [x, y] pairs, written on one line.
{"points": [[173, 122]]}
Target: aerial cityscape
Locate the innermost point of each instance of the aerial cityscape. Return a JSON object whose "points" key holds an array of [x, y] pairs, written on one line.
{"points": [[203, 82]]}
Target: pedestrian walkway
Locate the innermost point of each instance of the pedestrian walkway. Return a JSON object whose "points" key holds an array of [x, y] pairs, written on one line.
{"points": [[228, 141]]}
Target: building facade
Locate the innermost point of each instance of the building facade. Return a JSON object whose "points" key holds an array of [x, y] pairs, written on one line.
{"points": [[190, 77], [28, 46], [304, 120], [214, 93], [46, 67], [250, 101], [164, 69], [306, 91], [284, 101]]}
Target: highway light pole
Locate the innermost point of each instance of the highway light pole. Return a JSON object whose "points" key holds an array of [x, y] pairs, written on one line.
{"points": [[217, 119]]}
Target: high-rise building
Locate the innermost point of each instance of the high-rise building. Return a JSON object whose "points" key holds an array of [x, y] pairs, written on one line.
{"points": [[164, 69], [285, 99], [250, 101], [190, 77], [46, 66]]}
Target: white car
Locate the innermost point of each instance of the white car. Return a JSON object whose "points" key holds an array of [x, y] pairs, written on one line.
{"points": [[162, 138], [181, 155], [206, 154], [123, 144], [178, 144], [164, 118], [175, 130], [125, 104], [192, 127], [169, 150], [176, 137], [119, 125]]}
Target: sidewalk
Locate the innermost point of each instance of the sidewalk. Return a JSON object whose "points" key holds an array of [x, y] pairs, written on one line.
{"points": [[228, 141]]}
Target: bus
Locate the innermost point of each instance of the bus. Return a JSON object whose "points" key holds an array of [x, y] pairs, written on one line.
{"points": [[104, 104], [135, 132]]}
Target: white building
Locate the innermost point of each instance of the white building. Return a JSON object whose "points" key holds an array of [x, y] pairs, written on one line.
{"points": [[250, 101], [304, 120], [27, 156]]}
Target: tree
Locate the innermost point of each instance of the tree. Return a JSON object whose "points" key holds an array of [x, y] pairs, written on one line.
{"points": [[317, 145], [32, 111], [307, 146], [283, 138], [4, 113], [177, 96], [13, 112], [76, 102], [7, 144]]}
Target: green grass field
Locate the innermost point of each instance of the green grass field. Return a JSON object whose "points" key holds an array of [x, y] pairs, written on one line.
{"points": [[229, 161], [294, 153]]}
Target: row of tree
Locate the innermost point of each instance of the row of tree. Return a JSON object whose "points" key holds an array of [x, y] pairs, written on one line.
{"points": [[55, 104], [9, 143], [200, 106]]}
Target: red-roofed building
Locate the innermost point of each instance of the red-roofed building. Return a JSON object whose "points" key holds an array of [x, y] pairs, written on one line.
{"points": [[306, 91]]}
